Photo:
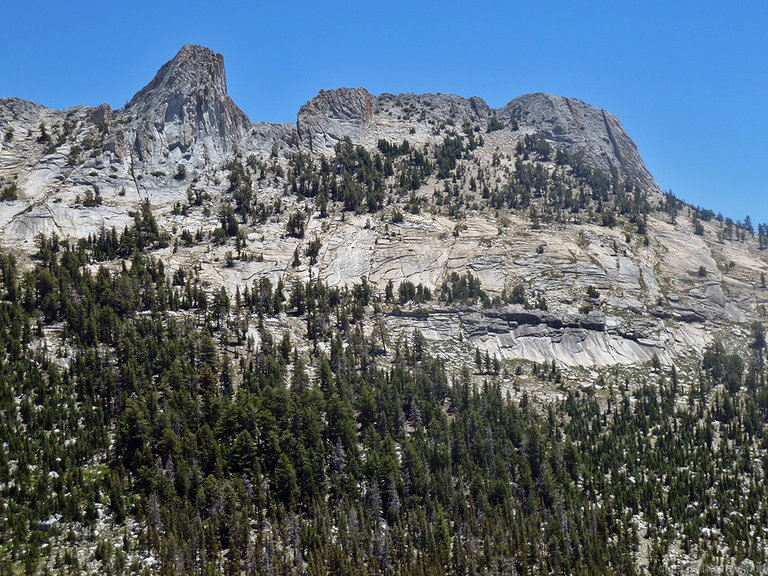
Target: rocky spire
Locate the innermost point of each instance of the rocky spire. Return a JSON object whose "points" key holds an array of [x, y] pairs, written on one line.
{"points": [[185, 109]]}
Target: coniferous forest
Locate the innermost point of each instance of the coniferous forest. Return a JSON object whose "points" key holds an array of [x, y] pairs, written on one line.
{"points": [[147, 427], [152, 422]]}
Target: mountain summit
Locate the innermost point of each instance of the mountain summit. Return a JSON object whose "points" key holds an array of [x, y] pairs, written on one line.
{"points": [[193, 68], [581, 129], [568, 123], [184, 115], [185, 104]]}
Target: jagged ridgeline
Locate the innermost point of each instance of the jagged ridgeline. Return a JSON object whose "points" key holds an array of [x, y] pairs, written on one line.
{"points": [[406, 335]]}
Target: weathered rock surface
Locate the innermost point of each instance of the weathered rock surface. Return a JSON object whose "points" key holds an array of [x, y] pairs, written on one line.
{"points": [[363, 118], [568, 123], [334, 114], [184, 113], [582, 129], [421, 118]]}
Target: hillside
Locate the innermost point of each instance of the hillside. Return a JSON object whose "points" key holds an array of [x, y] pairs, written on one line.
{"points": [[175, 143], [409, 332]]}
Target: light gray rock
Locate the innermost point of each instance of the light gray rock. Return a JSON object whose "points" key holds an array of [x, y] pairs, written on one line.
{"points": [[183, 114], [355, 113], [651, 298], [422, 118], [582, 129], [333, 115], [264, 137]]}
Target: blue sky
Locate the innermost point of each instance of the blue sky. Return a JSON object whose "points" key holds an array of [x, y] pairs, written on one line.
{"points": [[688, 80]]}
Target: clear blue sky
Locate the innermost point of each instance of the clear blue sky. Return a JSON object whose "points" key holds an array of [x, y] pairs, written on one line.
{"points": [[688, 80]]}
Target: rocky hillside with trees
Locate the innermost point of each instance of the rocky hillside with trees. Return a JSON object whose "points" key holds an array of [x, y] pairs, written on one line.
{"points": [[410, 334]]}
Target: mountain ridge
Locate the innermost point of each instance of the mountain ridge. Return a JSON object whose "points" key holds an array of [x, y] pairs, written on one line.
{"points": [[545, 192], [187, 100]]}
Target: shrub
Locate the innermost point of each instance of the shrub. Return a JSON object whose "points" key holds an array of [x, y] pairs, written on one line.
{"points": [[295, 225], [92, 197], [462, 288], [495, 124], [313, 250], [408, 291], [228, 220], [9, 191], [609, 219], [515, 296], [74, 155]]}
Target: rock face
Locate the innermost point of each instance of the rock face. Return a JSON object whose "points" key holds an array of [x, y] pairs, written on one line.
{"points": [[184, 112], [334, 114], [582, 129], [354, 113], [18, 110], [418, 118], [594, 134]]}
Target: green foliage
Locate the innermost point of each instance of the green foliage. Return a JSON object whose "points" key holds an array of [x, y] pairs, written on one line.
{"points": [[762, 236], [9, 190], [312, 251], [224, 437], [181, 172], [569, 188], [390, 150], [229, 224], [447, 153], [408, 292], [241, 188], [463, 288], [608, 219], [496, 124], [211, 453], [515, 296], [46, 139], [721, 367], [536, 145], [295, 225], [92, 197], [75, 152]]}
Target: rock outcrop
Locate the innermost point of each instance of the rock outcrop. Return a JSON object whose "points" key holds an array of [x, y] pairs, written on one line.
{"points": [[419, 118], [334, 114], [184, 113], [363, 118], [594, 134]]}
